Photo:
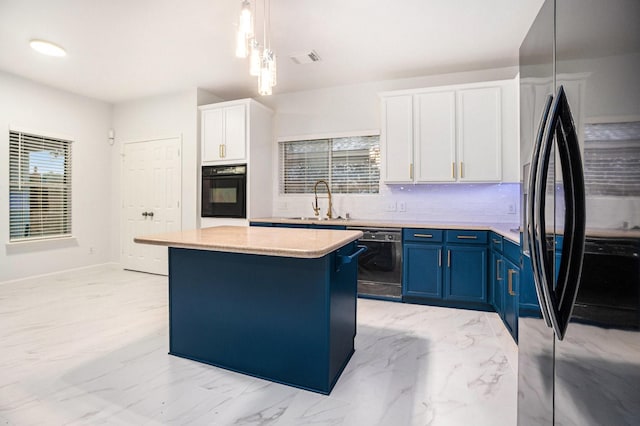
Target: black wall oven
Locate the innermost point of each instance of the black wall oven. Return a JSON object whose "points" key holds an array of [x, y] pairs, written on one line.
{"points": [[224, 191]]}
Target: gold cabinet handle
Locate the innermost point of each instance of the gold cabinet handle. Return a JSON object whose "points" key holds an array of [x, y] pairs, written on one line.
{"points": [[423, 235], [220, 151], [510, 280], [498, 263], [224, 151], [411, 171], [448, 258], [439, 258], [453, 170], [467, 237], [495, 241], [461, 170]]}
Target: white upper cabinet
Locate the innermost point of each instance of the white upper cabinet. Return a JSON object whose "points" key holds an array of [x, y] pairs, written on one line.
{"points": [[224, 133], [450, 134], [479, 135], [435, 115], [397, 132]]}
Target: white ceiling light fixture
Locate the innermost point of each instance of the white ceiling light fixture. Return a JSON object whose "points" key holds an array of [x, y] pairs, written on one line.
{"points": [[245, 30], [47, 48], [262, 60]]}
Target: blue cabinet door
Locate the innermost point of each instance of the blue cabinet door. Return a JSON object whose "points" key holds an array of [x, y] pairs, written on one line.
{"points": [[496, 274], [512, 284], [422, 270], [466, 276]]}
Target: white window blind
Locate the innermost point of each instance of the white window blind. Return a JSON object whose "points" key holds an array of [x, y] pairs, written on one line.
{"points": [[351, 165], [39, 187]]}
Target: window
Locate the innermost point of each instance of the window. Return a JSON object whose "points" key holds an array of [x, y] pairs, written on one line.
{"points": [[351, 165], [612, 159], [39, 187]]}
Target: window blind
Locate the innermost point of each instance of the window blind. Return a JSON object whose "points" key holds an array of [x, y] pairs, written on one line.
{"points": [[612, 159], [39, 187], [350, 165]]}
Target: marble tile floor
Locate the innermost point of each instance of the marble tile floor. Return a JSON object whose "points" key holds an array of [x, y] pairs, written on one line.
{"points": [[89, 347]]}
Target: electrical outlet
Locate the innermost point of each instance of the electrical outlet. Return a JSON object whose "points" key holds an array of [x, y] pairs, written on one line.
{"points": [[512, 208], [402, 206], [391, 206], [91, 250]]}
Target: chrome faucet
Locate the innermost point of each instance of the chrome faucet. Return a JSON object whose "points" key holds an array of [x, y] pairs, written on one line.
{"points": [[316, 208]]}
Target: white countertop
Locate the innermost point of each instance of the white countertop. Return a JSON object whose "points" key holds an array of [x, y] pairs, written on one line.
{"points": [[508, 231], [284, 242]]}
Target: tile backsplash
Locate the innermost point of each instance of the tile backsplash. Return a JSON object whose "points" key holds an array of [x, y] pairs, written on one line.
{"points": [[496, 203]]}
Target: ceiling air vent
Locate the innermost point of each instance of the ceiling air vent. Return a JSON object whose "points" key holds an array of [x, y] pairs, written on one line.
{"points": [[305, 57]]}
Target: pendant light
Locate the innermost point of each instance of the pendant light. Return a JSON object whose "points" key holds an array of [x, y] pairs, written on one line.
{"points": [[245, 30], [262, 64]]}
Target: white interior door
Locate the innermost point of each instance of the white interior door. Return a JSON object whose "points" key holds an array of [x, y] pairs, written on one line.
{"points": [[151, 201]]}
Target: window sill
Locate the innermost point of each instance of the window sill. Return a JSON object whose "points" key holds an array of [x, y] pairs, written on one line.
{"points": [[40, 244]]}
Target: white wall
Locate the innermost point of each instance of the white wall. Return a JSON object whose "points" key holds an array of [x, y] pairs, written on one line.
{"points": [[357, 107], [36, 107], [172, 115]]}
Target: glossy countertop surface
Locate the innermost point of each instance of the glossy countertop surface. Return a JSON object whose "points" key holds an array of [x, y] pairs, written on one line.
{"points": [[284, 242], [509, 231]]}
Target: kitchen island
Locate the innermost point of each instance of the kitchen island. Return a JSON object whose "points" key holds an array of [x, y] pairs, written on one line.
{"points": [[278, 304]]}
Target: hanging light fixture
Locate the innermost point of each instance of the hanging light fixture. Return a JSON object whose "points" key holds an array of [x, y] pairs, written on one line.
{"points": [[245, 30], [262, 64], [268, 66], [254, 58]]}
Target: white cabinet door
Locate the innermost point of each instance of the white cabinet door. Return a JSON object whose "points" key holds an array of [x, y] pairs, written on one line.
{"points": [[479, 135], [224, 134], [397, 138], [435, 132], [235, 125], [212, 134]]}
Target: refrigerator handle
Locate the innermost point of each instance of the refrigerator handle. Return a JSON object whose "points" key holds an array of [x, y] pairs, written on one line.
{"points": [[531, 225], [563, 297]]}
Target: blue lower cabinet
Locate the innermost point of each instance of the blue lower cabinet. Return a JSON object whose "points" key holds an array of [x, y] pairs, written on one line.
{"points": [[445, 273], [510, 309], [496, 278], [466, 273], [422, 270]]}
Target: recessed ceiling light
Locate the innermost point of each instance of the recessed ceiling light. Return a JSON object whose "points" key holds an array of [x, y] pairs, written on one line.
{"points": [[47, 48]]}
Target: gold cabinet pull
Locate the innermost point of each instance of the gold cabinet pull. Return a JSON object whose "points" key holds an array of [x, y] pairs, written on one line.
{"points": [[495, 241], [461, 170], [498, 263], [449, 258], [220, 151], [224, 151], [453, 170], [510, 280], [439, 258], [423, 235], [411, 171], [467, 237]]}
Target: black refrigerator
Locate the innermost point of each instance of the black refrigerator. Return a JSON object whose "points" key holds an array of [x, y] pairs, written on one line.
{"points": [[579, 332]]}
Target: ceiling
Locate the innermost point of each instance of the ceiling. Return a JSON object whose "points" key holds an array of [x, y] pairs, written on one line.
{"points": [[120, 50]]}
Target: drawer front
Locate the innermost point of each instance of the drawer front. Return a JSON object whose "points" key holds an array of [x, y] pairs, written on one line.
{"points": [[466, 237], [512, 251], [496, 242], [422, 235]]}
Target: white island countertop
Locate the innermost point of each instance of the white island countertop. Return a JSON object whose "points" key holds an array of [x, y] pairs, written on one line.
{"points": [[284, 242]]}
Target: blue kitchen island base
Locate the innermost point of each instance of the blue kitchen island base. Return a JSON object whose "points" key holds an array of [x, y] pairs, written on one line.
{"points": [[285, 319]]}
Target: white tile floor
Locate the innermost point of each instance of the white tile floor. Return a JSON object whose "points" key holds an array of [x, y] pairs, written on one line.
{"points": [[90, 347]]}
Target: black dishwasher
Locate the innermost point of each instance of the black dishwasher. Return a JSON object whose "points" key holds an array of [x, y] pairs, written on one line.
{"points": [[380, 267]]}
